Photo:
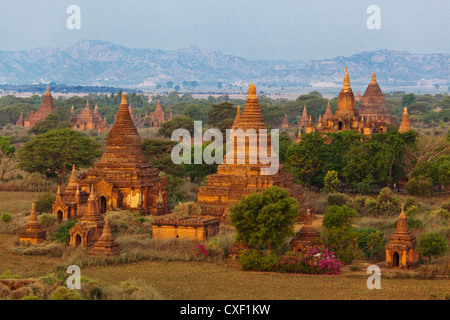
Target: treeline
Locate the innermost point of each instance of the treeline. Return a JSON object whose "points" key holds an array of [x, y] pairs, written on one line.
{"points": [[426, 111], [351, 161]]}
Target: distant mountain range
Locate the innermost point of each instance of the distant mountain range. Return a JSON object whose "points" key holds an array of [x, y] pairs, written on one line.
{"points": [[100, 63]]}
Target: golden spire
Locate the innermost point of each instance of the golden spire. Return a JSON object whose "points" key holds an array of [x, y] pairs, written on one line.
{"points": [[33, 217], [374, 77], [252, 91], [299, 136], [237, 119], [124, 99], [346, 79], [405, 125], [48, 90]]}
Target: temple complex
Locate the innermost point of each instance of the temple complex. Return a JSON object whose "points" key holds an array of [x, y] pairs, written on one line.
{"points": [[157, 117], [304, 119], [88, 230], [32, 233], [400, 250], [105, 245], [358, 96], [347, 117], [308, 236], [47, 107], [239, 174], [123, 177], [89, 120], [405, 125]]}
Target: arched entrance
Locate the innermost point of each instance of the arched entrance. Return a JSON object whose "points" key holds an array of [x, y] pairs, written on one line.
{"points": [[102, 204], [340, 125], [78, 240], [395, 259], [60, 215]]}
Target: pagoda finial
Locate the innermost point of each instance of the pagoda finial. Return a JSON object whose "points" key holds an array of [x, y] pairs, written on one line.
{"points": [[346, 78], [33, 217], [124, 99], [374, 77], [252, 91], [58, 192], [48, 89]]}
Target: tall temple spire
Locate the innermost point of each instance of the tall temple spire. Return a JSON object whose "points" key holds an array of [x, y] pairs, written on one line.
{"points": [[405, 125], [237, 119], [346, 99], [251, 117], [328, 112], [346, 83]]}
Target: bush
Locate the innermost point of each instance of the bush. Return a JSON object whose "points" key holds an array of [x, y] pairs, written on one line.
{"points": [[339, 216], [5, 217], [432, 244], [343, 241], [419, 186], [63, 293], [44, 203], [337, 199], [254, 260], [47, 219], [371, 241], [36, 182], [62, 234], [312, 261]]}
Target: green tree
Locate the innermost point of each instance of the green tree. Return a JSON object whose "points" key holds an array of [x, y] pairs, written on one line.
{"points": [[55, 151], [265, 218], [220, 112], [408, 99], [179, 122], [432, 244], [158, 152], [339, 216], [331, 181], [7, 156], [306, 160]]}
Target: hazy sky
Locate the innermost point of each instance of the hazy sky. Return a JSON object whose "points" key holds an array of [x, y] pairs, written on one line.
{"points": [[252, 29]]}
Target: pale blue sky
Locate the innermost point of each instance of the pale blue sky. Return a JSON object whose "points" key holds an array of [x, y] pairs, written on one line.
{"points": [[252, 29]]}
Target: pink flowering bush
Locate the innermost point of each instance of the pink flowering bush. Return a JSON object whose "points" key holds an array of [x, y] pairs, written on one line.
{"points": [[312, 261], [200, 252]]}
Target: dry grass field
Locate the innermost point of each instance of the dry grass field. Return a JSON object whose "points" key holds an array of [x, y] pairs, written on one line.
{"points": [[217, 280]]}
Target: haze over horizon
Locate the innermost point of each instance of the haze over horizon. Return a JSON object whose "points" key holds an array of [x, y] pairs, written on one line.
{"points": [[254, 30]]}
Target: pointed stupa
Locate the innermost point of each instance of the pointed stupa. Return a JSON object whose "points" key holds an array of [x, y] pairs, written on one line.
{"points": [[123, 144], [251, 117], [328, 112], [373, 102], [299, 136], [96, 110], [307, 236], [237, 118], [106, 244], [358, 96], [405, 125], [72, 110], [32, 232], [72, 180], [285, 123], [304, 119], [400, 249], [346, 99]]}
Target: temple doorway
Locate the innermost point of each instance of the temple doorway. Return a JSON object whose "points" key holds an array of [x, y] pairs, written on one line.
{"points": [[78, 240], [395, 259], [340, 125], [102, 204], [60, 215]]}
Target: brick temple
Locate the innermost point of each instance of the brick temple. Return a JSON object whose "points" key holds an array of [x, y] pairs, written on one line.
{"points": [[233, 181], [123, 177], [32, 233], [47, 107], [89, 120]]}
